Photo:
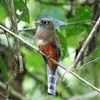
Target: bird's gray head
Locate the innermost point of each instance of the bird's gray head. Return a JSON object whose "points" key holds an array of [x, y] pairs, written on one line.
{"points": [[46, 23]]}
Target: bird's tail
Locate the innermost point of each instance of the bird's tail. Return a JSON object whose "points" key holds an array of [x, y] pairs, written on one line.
{"points": [[51, 81]]}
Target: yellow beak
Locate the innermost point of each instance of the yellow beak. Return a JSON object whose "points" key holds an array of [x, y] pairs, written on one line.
{"points": [[38, 22]]}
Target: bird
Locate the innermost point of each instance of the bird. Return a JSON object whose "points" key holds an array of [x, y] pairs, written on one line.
{"points": [[48, 42]]}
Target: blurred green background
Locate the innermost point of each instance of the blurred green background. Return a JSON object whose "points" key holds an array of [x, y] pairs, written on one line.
{"points": [[73, 21]]}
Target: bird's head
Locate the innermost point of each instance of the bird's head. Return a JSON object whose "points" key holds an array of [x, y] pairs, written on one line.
{"points": [[46, 23]]}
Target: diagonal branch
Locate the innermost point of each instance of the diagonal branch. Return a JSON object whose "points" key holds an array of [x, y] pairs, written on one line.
{"points": [[86, 96], [92, 33], [13, 92], [37, 50]]}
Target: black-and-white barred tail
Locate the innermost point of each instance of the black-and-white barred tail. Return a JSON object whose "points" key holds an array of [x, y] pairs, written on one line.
{"points": [[51, 81]]}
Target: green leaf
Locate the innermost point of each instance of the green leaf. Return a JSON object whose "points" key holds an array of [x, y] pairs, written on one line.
{"points": [[2, 11], [96, 51], [82, 15], [57, 23], [33, 60], [74, 30], [83, 12], [3, 68], [20, 6], [63, 44]]}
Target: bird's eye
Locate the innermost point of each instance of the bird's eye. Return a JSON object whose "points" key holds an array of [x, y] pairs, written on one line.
{"points": [[45, 22]]}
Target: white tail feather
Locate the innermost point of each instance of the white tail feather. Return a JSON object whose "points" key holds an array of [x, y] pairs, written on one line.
{"points": [[51, 81]]}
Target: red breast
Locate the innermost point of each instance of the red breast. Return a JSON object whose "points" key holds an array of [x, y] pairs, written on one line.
{"points": [[48, 50]]}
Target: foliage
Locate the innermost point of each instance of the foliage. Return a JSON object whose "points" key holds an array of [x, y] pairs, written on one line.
{"points": [[20, 6], [3, 68], [70, 30]]}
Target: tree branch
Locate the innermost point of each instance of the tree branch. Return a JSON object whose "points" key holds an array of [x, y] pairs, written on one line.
{"points": [[24, 29], [33, 30], [16, 46], [56, 3], [92, 33], [81, 22], [37, 50], [22, 12], [53, 3], [85, 96], [13, 92]]}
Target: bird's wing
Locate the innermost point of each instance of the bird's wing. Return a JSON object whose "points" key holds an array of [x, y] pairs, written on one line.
{"points": [[56, 46]]}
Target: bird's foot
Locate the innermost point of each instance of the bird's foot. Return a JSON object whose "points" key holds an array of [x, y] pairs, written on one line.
{"points": [[48, 56]]}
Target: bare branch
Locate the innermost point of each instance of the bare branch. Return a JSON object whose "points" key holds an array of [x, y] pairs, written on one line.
{"points": [[33, 30], [88, 63], [80, 22], [13, 92], [92, 33], [85, 96], [13, 21], [24, 29], [55, 3], [2, 95], [23, 11], [16, 47]]}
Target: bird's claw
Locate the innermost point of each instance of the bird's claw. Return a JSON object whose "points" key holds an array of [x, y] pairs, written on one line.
{"points": [[48, 56]]}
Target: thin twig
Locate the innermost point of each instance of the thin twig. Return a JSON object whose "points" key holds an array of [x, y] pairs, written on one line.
{"points": [[84, 81], [13, 92], [2, 95], [8, 84], [92, 33], [88, 63], [16, 47], [23, 11], [69, 24], [24, 29], [85, 96], [11, 15], [80, 22], [37, 50], [54, 2], [7, 40]]}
